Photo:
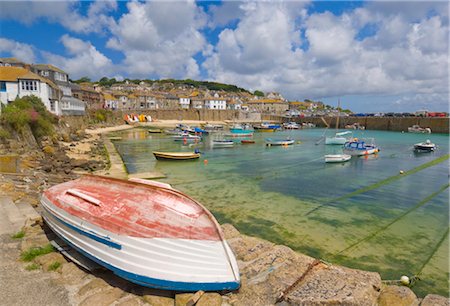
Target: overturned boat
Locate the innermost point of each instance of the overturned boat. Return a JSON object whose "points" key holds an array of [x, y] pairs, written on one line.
{"points": [[144, 231]]}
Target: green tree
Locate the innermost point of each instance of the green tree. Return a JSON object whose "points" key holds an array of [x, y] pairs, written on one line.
{"points": [[83, 80], [258, 93]]}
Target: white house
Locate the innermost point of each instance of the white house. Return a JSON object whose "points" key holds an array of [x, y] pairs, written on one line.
{"points": [[215, 103], [19, 82], [185, 102]]}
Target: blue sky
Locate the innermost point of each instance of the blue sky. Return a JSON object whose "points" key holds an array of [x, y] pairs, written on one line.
{"points": [[373, 56]]}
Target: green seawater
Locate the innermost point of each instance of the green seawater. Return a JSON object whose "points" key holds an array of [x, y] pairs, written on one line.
{"points": [[362, 214]]}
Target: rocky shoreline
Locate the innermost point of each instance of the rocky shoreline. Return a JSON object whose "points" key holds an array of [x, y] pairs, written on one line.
{"points": [[271, 274]]}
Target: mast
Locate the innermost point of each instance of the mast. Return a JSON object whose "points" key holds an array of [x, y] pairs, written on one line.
{"points": [[337, 119]]}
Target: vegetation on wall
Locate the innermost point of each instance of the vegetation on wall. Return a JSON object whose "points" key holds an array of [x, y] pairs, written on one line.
{"points": [[28, 111]]}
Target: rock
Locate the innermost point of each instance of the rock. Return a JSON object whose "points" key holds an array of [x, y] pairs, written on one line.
{"points": [[324, 285], [397, 295], [49, 259], [103, 298], [71, 274], [130, 300], [229, 231], [195, 298], [267, 276], [156, 300], [435, 300], [182, 298], [37, 240], [95, 285], [210, 299], [247, 248]]}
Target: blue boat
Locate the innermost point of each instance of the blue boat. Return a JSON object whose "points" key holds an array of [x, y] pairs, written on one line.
{"points": [[359, 147], [241, 129]]}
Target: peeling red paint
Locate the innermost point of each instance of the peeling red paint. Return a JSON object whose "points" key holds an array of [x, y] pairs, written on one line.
{"points": [[134, 209]]}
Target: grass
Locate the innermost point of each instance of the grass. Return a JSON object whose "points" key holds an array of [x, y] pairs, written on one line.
{"points": [[33, 266], [19, 235], [54, 266], [32, 253]]}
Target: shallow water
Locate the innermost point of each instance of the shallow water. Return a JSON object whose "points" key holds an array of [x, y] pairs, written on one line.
{"points": [[288, 195]]}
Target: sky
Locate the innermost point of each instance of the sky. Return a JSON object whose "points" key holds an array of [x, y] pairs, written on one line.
{"points": [[373, 56]]}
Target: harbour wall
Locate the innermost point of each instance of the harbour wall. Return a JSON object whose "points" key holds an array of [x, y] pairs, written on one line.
{"points": [[437, 125]]}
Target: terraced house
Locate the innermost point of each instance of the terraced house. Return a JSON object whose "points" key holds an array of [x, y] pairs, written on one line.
{"points": [[17, 82]]}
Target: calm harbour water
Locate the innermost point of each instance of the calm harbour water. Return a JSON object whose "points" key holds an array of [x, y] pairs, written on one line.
{"points": [[288, 195]]}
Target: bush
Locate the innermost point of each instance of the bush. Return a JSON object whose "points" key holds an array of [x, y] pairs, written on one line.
{"points": [[29, 111], [4, 134], [101, 115]]}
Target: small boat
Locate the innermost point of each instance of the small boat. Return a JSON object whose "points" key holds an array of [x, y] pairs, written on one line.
{"points": [[308, 125], [247, 141], [337, 158], [185, 137], [291, 125], [266, 127], [223, 143], [426, 146], [417, 129], [176, 155], [143, 231], [212, 127], [355, 126], [338, 139], [359, 147], [200, 131], [239, 129], [155, 131], [279, 142]]}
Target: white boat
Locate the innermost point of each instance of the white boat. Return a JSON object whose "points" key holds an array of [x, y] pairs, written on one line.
{"points": [[279, 142], [417, 129], [426, 146], [291, 125], [222, 143], [337, 158], [185, 137], [338, 139], [359, 147], [143, 231]]}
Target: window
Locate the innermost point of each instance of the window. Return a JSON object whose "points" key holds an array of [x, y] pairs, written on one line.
{"points": [[52, 105], [2, 86], [29, 85], [44, 73]]}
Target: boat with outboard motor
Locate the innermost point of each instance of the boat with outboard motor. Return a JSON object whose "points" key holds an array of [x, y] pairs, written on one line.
{"points": [[426, 146], [360, 147], [143, 231]]}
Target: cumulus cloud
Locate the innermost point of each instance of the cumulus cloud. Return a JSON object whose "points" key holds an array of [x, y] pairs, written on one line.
{"points": [[21, 51], [67, 13], [160, 38], [84, 59], [407, 53]]}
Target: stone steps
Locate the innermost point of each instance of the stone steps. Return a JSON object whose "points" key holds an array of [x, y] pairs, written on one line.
{"points": [[13, 216]]}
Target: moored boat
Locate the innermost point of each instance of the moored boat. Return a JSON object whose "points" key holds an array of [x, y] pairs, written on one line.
{"points": [[223, 143], [187, 138], [291, 125], [143, 231], [239, 129], [279, 142], [359, 147], [426, 146], [247, 141], [337, 158], [176, 155], [417, 129]]}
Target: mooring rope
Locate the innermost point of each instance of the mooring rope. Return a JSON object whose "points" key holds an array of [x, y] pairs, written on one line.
{"points": [[383, 182], [418, 205]]}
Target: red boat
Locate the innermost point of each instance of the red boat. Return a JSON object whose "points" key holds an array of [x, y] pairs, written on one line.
{"points": [[247, 141]]}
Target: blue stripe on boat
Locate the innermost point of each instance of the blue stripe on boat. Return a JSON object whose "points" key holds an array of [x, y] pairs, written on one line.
{"points": [[148, 281], [102, 239]]}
